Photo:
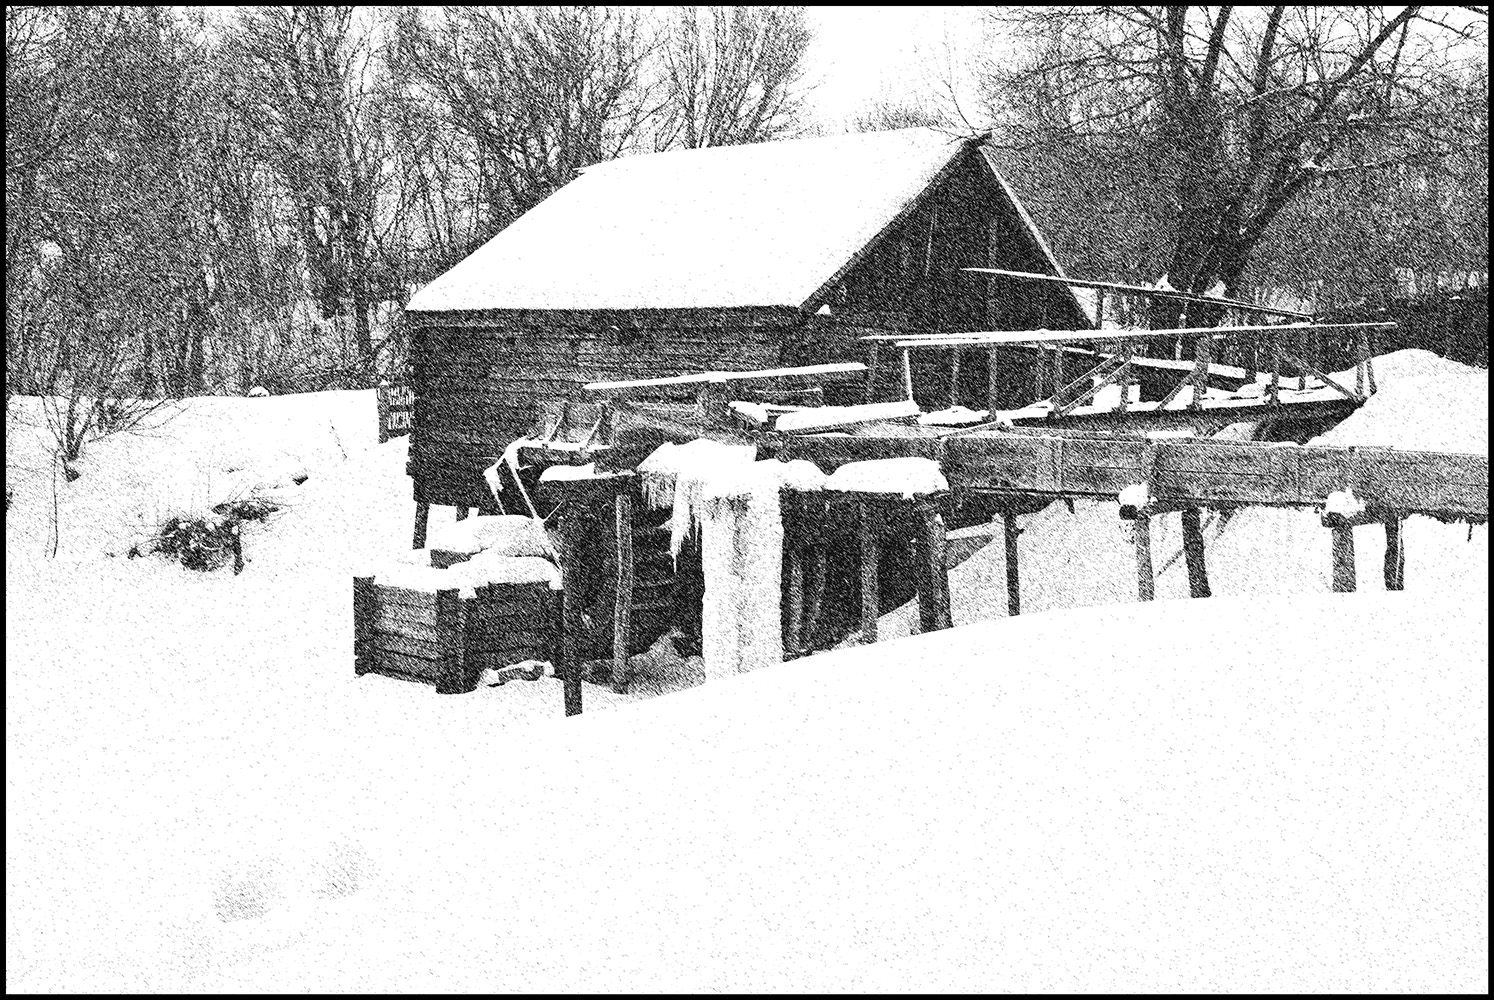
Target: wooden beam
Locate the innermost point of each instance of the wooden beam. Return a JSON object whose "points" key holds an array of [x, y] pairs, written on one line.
{"points": [[1142, 539], [1161, 293], [363, 613], [1193, 552], [815, 596], [1343, 559], [1322, 376], [954, 379], [1118, 374], [422, 522], [993, 387], [933, 600], [907, 376], [868, 537], [699, 378], [793, 619], [1013, 582], [622, 606], [1021, 337], [570, 624], [453, 676], [1395, 555]]}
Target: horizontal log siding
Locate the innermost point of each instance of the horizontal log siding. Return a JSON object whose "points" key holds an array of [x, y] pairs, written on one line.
{"points": [[478, 380]]}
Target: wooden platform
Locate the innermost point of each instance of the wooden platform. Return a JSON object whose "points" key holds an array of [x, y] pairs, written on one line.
{"points": [[1179, 472]]}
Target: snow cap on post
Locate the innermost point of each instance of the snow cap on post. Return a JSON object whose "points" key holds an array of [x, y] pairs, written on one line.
{"points": [[909, 477]]}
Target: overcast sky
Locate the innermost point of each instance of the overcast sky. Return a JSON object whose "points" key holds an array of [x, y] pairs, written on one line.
{"points": [[862, 53]]}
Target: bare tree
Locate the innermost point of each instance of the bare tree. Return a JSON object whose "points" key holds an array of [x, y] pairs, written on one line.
{"points": [[1247, 108], [308, 80], [732, 75], [885, 113], [533, 94]]}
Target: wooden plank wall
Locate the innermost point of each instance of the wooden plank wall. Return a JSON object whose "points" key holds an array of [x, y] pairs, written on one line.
{"points": [[479, 380]]}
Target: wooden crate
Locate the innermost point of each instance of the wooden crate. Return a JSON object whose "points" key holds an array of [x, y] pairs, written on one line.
{"points": [[447, 640]]}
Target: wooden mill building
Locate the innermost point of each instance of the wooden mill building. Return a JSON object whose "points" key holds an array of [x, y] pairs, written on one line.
{"points": [[733, 258]]}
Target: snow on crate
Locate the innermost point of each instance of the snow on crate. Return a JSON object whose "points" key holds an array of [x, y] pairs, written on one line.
{"points": [[501, 534], [906, 476], [465, 577]]}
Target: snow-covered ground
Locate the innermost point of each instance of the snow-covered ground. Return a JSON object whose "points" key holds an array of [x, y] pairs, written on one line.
{"points": [[1276, 793]]}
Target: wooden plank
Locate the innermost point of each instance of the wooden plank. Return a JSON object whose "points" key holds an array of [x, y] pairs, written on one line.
{"points": [[793, 618], [1146, 588], [399, 621], [1010, 531], [570, 626], [363, 612], [388, 661], [1020, 338], [422, 520], [1102, 467], [1193, 552], [868, 541], [457, 675], [907, 376], [1343, 559], [406, 645], [1004, 461], [1171, 294], [699, 378], [934, 601], [623, 597], [826, 418], [1395, 555]]}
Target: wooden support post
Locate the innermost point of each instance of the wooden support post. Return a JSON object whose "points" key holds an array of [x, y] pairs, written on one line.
{"points": [[1395, 555], [1145, 584], [814, 598], [907, 375], [793, 618], [933, 596], [873, 360], [1126, 356], [422, 520], [1057, 372], [451, 627], [1369, 358], [364, 610], [868, 535], [992, 387], [1040, 361], [462, 512], [1344, 581], [1275, 369], [1193, 552], [954, 378], [622, 608], [1013, 582], [1203, 355], [569, 667]]}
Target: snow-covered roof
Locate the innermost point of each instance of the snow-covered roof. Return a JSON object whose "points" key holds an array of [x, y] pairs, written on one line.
{"points": [[735, 226]]}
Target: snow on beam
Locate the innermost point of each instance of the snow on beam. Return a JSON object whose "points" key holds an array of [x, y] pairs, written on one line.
{"points": [[823, 418], [1019, 337], [704, 378]]}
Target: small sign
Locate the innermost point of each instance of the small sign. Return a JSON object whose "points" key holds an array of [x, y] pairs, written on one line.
{"points": [[396, 411]]}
